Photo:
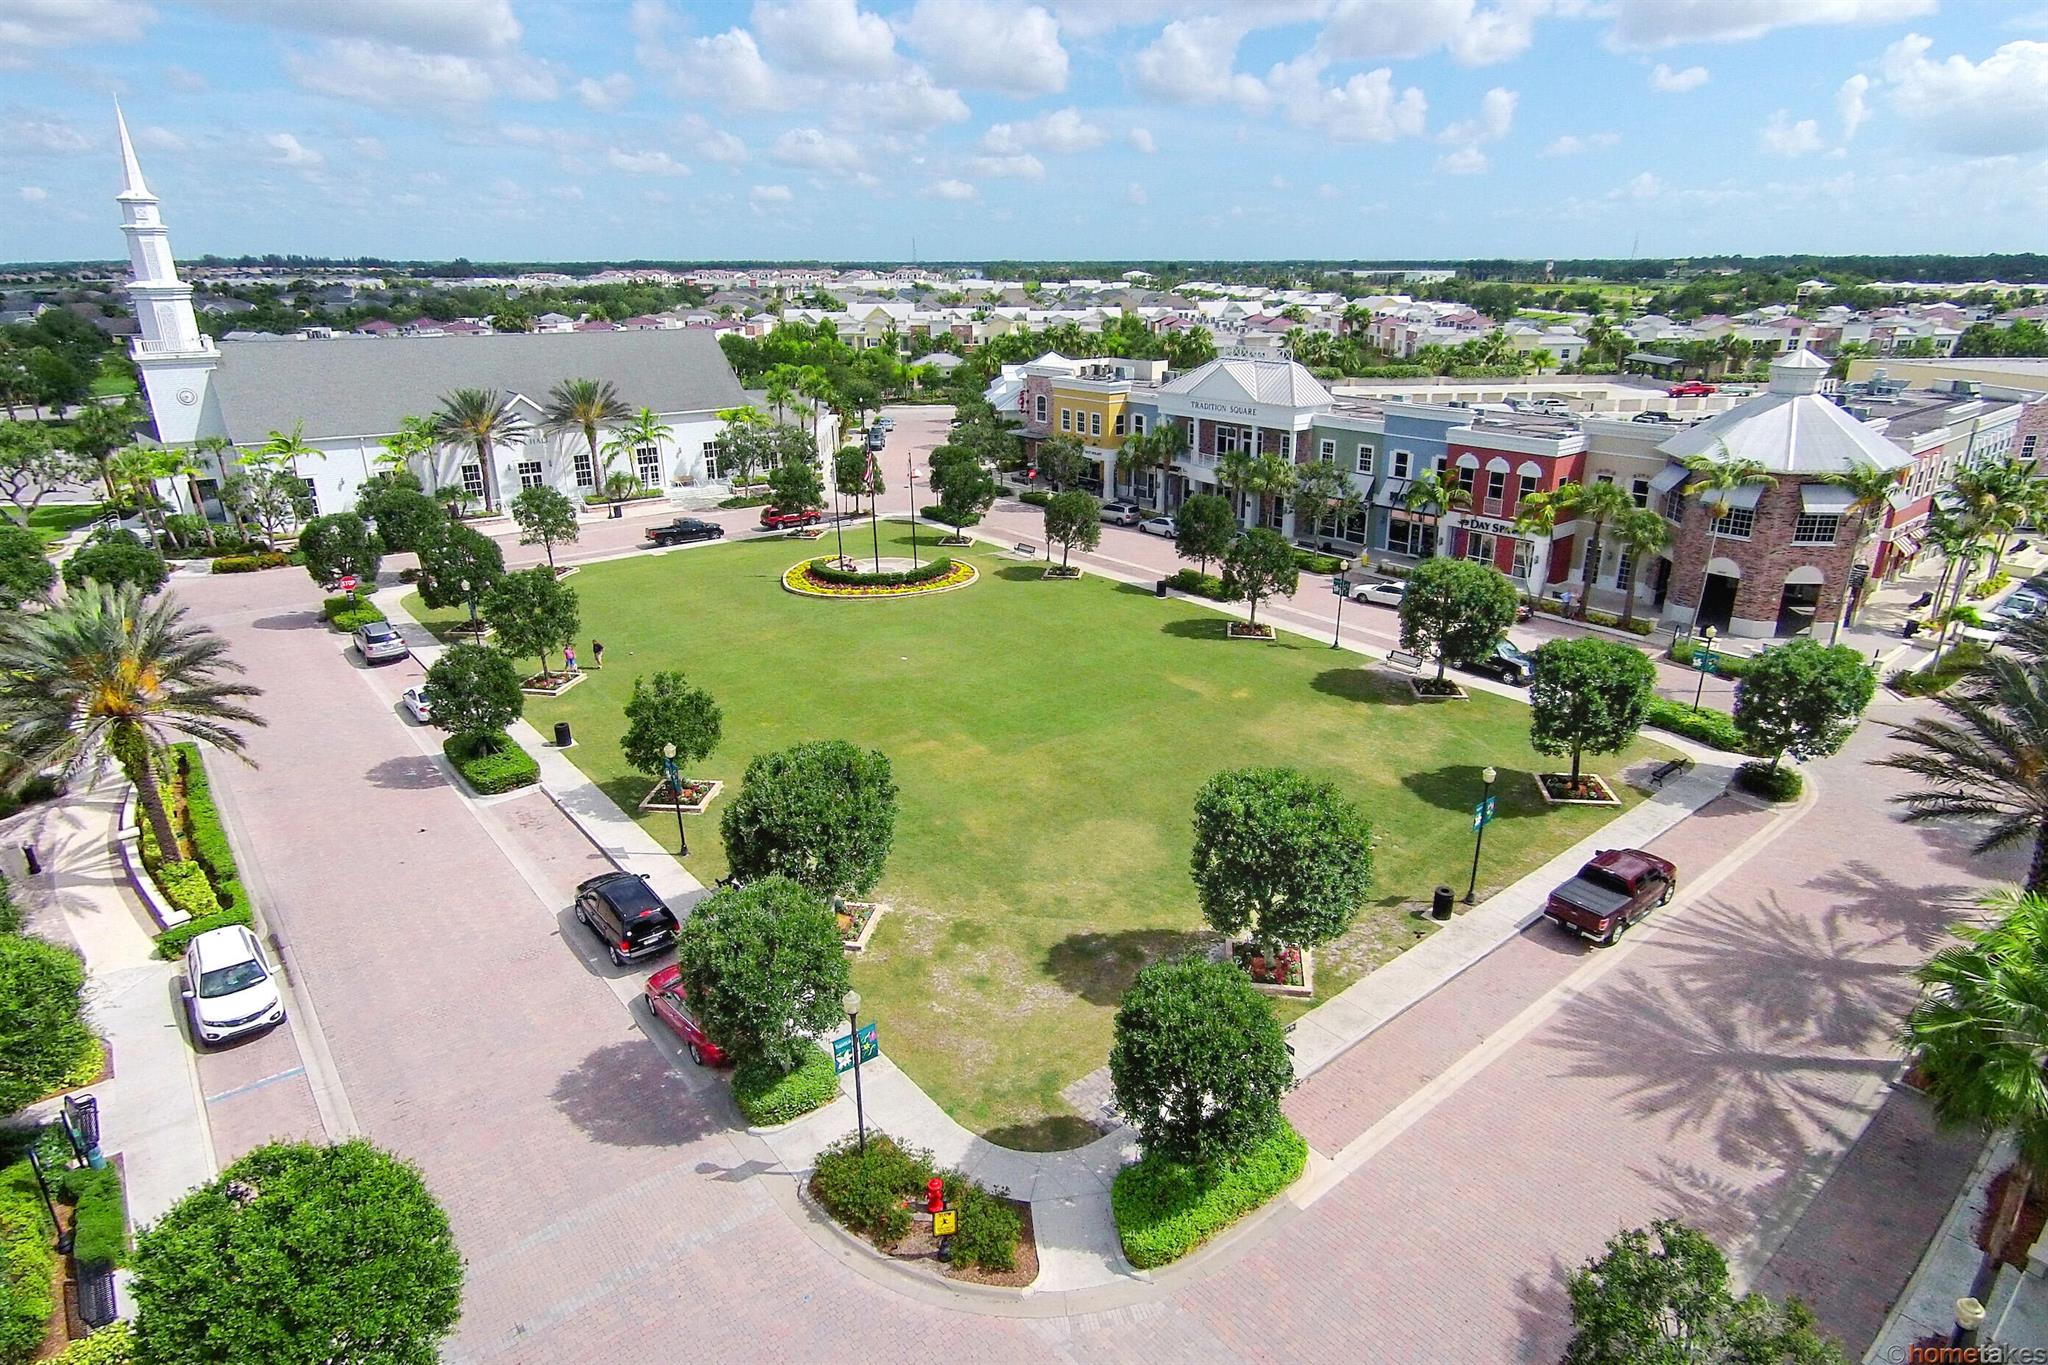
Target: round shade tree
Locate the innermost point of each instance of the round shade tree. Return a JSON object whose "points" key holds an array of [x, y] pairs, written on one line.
{"points": [[42, 1022], [342, 543], [1280, 856], [474, 692], [546, 518], [534, 613], [1199, 1061], [1259, 564], [1203, 529], [964, 484], [665, 709], [1456, 610], [120, 560], [300, 1253], [1588, 696], [765, 970], [796, 485], [459, 555], [1062, 460], [407, 520], [822, 814], [25, 571], [1802, 698], [1073, 518]]}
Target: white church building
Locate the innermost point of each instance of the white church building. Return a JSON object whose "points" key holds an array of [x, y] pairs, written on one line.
{"points": [[350, 392]]}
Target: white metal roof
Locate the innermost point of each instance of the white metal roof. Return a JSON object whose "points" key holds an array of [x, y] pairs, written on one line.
{"points": [[1790, 428]]}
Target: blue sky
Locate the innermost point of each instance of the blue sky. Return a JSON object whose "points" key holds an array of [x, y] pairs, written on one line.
{"points": [[592, 129]]}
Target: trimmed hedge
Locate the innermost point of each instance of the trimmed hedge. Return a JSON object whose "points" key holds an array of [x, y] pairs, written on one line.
{"points": [[10, 912], [1727, 666], [1037, 497], [1962, 657], [1772, 784], [113, 1344], [346, 612], [768, 1096], [28, 1265], [870, 1193], [1639, 626], [1713, 728], [945, 518], [268, 559], [489, 773], [99, 1221], [826, 572], [1198, 584], [185, 886], [204, 828], [746, 500], [1164, 1209], [170, 944], [1311, 561], [1997, 583]]}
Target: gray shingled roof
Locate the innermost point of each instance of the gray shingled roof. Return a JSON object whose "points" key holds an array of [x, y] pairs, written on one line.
{"points": [[362, 386]]}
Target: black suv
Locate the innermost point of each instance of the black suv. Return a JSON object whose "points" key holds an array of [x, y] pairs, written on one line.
{"points": [[623, 910], [684, 529]]}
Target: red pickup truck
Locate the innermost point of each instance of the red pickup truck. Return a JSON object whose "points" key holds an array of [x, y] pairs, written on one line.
{"points": [[775, 519], [1617, 888]]}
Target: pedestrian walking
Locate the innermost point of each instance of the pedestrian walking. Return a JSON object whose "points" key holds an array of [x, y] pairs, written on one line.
{"points": [[569, 658], [597, 654]]}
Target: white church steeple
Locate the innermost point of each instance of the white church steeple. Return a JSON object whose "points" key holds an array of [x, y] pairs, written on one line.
{"points": [[176, 359]]}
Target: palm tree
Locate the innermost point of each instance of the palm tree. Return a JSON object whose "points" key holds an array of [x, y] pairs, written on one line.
{"points": [[1962, 546], [1596, 504], [1536, 516], [643, 429], [1996, 497], [781, 390], [1430, 496], [1142, 452], [1870, 487], [1323, 492], [1641, 533], [97, 432], [1234, 472], [414, 438], [481, 419], [189, 464], [103, 673], [813, 383], [585, 405], [1720, 475], [1270, 476], [1980, 1032]]}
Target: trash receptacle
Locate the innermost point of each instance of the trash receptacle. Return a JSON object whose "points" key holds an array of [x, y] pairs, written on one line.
{"points": [[1159, 588], [563, 739], [1440, 903]]}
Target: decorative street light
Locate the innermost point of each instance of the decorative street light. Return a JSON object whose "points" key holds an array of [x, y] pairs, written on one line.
{"points": [[464, 585], [1482, 816], [675, 792], [1969, 1318], [1341, 586], [1703, 660], [850, 1002]]}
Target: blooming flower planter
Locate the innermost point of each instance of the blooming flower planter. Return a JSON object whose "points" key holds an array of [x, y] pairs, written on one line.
{"points": [[1425, 690], [800, 580], [1240, 630], [1056, 574], [696, 796], [549, 684], [857, 921], [1556, 790], [1293, 975]]}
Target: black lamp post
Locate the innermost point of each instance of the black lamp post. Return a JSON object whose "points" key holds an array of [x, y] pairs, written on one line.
{"points": [[1480, 820], [1341, 586], [1969, 1320], [471, 599], [910, 487], [1700, 663], [675, 792], [850, 1002]]}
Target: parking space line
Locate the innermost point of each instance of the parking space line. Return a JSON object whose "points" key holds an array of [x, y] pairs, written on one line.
{"points": [[256, 1085]]}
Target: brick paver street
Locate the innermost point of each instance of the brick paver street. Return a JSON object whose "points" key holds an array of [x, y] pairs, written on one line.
{"points": [[610, 1212]]}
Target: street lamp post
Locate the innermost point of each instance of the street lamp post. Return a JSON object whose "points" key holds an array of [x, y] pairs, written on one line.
{"points": [[850, 1002], [675, 794], [1480, 820], [1700, 663], [910, 486], [1969, 1319], [1341, 586], [471, 599]]}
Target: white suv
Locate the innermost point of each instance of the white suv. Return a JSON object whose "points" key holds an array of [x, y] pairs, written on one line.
{"points": [[229, 988]]}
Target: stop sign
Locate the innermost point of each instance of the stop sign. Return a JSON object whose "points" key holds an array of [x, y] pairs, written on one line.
{"points": [[348, 582]]}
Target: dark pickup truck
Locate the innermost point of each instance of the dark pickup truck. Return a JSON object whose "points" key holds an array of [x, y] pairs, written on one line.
{"points": [[1617, 888], [683, 530]]}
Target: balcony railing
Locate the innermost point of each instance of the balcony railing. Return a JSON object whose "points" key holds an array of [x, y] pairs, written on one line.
{"points": [[138, 346]]}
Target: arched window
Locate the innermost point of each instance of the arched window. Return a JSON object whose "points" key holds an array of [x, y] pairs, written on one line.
{"points": [[1042, 409]]}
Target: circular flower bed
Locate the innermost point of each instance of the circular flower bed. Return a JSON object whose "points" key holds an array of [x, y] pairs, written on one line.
{"points": [[824, 578]]}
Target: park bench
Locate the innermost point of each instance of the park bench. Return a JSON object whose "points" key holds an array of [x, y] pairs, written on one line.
{"points": [[1026, 549], [1401, 658], [1666, 771]]}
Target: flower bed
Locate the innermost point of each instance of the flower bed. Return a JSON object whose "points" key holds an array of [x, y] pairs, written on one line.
{"points": [[1592, 790], [1436, 689], [1240, 631], [212, 862], [822, 578], [696, 796], [857, 921], [878, 1195], [1065, 573], [549, 684], [1292, 973]]}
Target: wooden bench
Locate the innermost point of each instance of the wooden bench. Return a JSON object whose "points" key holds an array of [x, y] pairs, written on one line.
{"points": [[1401, 658], [1027, 550], [1666, 771]]}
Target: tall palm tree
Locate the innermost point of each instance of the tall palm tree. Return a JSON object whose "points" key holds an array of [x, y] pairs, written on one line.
{"points": [[1980, 1032], [1641, 532], [1870, 488], [585, 405], [1962, 547], [1234, 472], [481, 419], [1719, 475], [813, 383], [1270, 476], [1596, 504], [414, 439], [1141, 453], [106, 673], [781, 390], [190, 465], [642, 429], [1536, 516], [1995, 497], [98, 431], [1428, 495]]}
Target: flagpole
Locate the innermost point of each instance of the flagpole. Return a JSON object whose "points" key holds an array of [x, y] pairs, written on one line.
{"points": [[874, 516]]}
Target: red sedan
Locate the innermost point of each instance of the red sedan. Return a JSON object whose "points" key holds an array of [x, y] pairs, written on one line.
{"points": [[671, 1004], [775, 519], [1691, 388]]}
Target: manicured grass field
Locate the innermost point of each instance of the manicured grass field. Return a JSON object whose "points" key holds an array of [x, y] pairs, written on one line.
{"points": [[54, 521], [1048, 739]]}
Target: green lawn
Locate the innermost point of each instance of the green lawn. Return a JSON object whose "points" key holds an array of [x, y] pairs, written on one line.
{"points": [[115, 377], [1048, 739], [54, 521]]}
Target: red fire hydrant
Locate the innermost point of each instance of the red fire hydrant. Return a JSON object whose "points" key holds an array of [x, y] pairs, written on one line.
{"points": [[934, 1195]]}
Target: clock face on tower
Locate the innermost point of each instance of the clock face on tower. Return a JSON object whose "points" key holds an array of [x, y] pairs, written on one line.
{"points": [[188, 397]]}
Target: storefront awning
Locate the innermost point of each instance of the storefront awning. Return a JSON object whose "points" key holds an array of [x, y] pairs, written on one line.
{"points": [[1906, 540], [1743, 497], [1824, 499], [1669, 479], [1392, 491]]}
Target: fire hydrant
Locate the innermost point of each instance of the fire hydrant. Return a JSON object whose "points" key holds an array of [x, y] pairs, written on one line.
{"points": [[934, 1195]]}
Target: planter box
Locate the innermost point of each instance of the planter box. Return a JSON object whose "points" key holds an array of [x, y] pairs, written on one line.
{"points": [[804, 533], [1058, 575], [1606, 796], [128, 839], [1238, 630], [461, 635], [862, 917], [1243, 952], [564, 570], [554, 686], [1421, 688], [658, 798]]}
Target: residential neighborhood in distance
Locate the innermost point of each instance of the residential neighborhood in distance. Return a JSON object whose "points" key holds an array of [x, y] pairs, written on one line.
{"points": [[1047, 680]]}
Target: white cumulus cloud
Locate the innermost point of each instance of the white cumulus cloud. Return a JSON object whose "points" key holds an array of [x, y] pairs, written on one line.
{"points": [[391, 76], [1464, 161], [770, 194], [1852, 104], [989, 46], [829, 37], [728, 68], [1062, 130], [464, 27], [813, 149], [34, 194], [1788, 137], [1573, 144], [1995, 107], [287, 150], [951, 189], [1141, 140], [1643, 24], [1365, 108], [710, 141], [1010, 166], [1666, 81], [650, 162], [1374, 30], [1496, 118], [1194, 61], [67, 23], [605, 93]]}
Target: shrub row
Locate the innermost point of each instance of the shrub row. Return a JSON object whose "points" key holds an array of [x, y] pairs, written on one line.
{"points": [[1164, 1209], [28, 1265], [1964, 656], [1728, 665], [868, 1193], [745, 500], [1712, 728], [1594, 618], [1198, 584], [170, 944], [491, 763], [1997, 583], [113, 1344], [941, 515], [825, 571], [348, 611], [767, 1096], [1037, 497], [208, 834], [41, 787], [1311, 561], [185, 886], [99, 1219], [268, 559], [1772, 784]]}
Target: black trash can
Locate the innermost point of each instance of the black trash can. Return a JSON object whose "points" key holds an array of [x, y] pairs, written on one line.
{"points": [[1159, 588], [563, 739], [1440, 903]]}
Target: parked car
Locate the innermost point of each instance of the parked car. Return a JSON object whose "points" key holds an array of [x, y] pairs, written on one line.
{"points": [[623, 911], [683, 530], [1122, 513], [877, 438], [1617, 888], [886, 423], [1541, 407], [1159, 526], [230, 989], [669, 1001], [2023, 605], [418, 704], [1691, 388], [378, 643], [1506, 662], [1660, 418], [1387, 594], [775, 519]]}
